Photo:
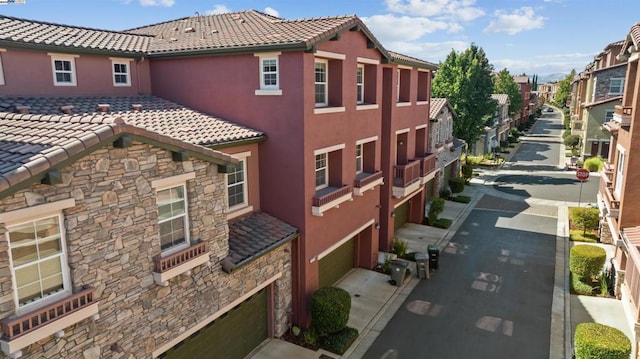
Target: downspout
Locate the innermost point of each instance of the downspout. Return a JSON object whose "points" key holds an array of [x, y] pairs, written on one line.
{"points": [[138, 60]]}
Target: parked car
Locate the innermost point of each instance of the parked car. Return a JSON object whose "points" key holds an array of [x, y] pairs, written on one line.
{"points": [[549, 109]]}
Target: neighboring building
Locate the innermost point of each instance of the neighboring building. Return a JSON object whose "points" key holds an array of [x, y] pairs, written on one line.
{"points": [[619, 192], [547, 91], [528, 103], [448, 149], [116, 210], [502, 122], [597, 91], [343, 116]]}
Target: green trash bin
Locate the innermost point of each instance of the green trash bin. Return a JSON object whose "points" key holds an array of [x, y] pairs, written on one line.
{"points": [[399, 270]]}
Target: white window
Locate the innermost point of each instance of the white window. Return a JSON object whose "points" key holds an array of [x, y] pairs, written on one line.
{"points": [[360, 83], [269, 73], [38, 260], [322, 171], [321, 82], [620, 172], [172, 218], [1, 71], [359, 158], [616, 85], [121, 72], [237, 185], [608, 115], [64, 70]]}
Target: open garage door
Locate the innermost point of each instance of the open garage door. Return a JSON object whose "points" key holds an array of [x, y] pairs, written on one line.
{"points": [[336, 264], [233, 335]]}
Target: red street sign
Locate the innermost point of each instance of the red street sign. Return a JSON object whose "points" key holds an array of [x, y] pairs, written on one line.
{"points": [[582, 174]]}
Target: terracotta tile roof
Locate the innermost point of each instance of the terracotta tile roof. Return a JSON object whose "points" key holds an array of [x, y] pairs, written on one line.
{"points": [[502, 98], [521, 79], [254, 235], [632, 235], [155, 114], [412, 61], [607, 100], [437, 104], [43, 34], [247, 30], [32, 144]]}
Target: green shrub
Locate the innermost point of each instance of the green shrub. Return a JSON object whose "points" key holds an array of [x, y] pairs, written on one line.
{"points": [[339, 342], [444, 193], [386, 266], [456, 184], [436, 207], [399, 247], [461, 199], [310, 337], [577, 235], [330, 308], [586, 261], [512, 139], [585, 218], [594, 164], [579, 287], [467, 173], [504, 143], [443, 223], [594, 340]]}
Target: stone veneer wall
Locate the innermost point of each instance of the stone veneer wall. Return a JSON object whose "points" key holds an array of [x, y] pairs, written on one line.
{"points": [[444, 157], [602, 84], [111, 238]]}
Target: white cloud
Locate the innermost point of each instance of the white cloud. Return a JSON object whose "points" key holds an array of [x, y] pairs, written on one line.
{"points": [[389, 27], [463, 10], [218, 9], [165, 3], [431, 51], [544, 64], [271, 11], [519, 20]]}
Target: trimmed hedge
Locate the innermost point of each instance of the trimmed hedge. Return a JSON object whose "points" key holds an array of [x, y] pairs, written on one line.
{"points": [[437, 207], [339, 342], [586, 261], [443, 223], [460, 199], [579, 287], [456, 184], [594, 340], [330, 308]]}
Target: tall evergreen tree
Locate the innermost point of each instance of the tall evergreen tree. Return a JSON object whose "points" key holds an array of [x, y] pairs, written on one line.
{"points": [[503, 82], [465, 80], [564, 90]]}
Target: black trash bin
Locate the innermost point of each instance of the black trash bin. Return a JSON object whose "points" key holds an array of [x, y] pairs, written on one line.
{"points": [[399, 270], [422, 265], [434, 256]]}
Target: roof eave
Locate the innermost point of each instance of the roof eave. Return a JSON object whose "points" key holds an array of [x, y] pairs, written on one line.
{"points": [[70, 50], [298, 46], [236, 143]]}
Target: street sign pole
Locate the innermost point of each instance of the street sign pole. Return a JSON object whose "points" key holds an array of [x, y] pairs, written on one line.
{"points": [[581, 174], [580, 196]]}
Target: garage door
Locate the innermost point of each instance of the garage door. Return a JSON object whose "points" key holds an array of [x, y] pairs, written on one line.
{"points": [[402, 216], [233, 335], [448, 173], [336, 264]]}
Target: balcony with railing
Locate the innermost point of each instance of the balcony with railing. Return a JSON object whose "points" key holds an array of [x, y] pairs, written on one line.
{"points": [[428, 165], [622, 115], [365, 181], [178, 263], [26, 329], [606, 193], [406, 179], [330, 197]]}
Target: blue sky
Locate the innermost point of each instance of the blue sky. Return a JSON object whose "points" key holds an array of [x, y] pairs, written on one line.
{"points": [[525, 36]]}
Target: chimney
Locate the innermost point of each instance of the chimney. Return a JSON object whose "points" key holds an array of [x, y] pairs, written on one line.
{"points": [[103, 107], [21, 109], [66, 109]]}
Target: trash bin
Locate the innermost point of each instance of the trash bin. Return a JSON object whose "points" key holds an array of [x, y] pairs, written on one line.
{"points": [[422, 265], [434, 256], [399, 270]]}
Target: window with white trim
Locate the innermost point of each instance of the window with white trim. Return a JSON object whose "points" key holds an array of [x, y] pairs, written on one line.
{"points": [[322, 171], [620, 173], [172, 218], [608, 115], [360, 84], [64, 70], [237, 185], [359, 158], [121, 73], [321, 82], [403, 85], [616, 85], [269, 73], [38, 259]]}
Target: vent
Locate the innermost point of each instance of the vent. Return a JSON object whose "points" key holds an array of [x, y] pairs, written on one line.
{"points": [[66, 109], [136, 107], [103, 107]]}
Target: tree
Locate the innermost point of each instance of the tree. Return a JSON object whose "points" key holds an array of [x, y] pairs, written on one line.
{"points": [[585, 218], [504, 83], [465, 80], [572, 141], [564, 90]]}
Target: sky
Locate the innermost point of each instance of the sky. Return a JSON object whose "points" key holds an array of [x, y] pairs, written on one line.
{"points": [[530, 37]]}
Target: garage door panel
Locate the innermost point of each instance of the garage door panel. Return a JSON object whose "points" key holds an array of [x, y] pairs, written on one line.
{"points": [[233, 335], [336, 264], [401, 216]]}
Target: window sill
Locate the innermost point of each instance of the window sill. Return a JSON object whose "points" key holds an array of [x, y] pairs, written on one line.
{"points": [[59, 315], [323, 110], [367, 107], [179, 263], [330, 197], [366, 182], [264, 92], [237, 212], [422, 103], [403, 104], [64, 84]]}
